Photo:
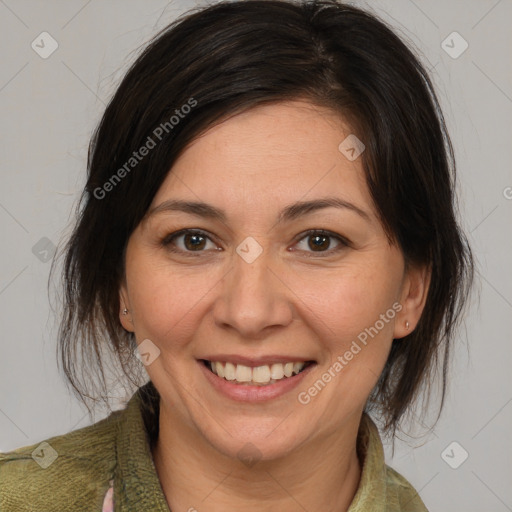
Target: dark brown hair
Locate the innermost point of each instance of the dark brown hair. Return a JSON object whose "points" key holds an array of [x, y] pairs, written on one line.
{"points": [[229, 58]]}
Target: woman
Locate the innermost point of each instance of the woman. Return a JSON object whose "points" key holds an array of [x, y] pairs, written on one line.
{"points": [[268, 226]]}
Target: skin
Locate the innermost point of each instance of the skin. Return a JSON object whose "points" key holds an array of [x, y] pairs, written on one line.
{"points": [[284, 302]]}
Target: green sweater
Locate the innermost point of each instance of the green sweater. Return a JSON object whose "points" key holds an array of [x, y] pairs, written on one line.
{"points": [[73, 472]]}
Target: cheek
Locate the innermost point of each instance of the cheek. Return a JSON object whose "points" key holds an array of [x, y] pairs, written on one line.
{"points": [[348, 302], [352, 315], [167, 304]]}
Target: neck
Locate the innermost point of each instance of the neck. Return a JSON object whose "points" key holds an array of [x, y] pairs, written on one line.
{"points": [[196, 476]]}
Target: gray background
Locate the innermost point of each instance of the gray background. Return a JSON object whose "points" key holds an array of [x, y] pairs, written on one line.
{"points": [[49, 109]]}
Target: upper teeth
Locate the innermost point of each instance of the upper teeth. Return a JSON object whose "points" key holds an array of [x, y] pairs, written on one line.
{"points": [[258, 374]]}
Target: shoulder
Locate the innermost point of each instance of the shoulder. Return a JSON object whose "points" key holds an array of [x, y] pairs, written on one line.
{"points": [[69, 471], [401, 495]]}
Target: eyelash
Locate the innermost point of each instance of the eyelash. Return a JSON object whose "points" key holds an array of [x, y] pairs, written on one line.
{"points": [[168, 240]]}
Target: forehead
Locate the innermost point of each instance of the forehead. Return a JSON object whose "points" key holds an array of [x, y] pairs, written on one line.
{"points": [[266, 157]]}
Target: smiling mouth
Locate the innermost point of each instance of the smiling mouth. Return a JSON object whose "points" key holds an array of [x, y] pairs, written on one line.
{"points": [[258, 375]]}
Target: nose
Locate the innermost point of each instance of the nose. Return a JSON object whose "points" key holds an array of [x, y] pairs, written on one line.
{"points": [[253, 298]]}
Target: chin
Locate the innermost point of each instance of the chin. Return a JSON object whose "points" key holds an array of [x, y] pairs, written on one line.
{"points": [[253, 441]]}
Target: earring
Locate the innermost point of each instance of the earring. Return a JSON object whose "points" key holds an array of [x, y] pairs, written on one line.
{"points": [[406, 324], [125, 311]]}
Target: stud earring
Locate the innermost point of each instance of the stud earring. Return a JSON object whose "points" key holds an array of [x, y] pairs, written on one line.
{"points": [[406, 324], [125, 311]]}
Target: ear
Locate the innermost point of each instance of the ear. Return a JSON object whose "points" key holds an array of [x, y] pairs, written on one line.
{"points": [[124, 302], [414, 293]]}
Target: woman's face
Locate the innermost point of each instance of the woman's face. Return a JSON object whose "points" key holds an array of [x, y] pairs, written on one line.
{"points": [[254, 288]]}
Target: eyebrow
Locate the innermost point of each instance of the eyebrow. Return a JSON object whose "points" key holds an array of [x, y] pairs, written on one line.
{"points": [[290, 212]]}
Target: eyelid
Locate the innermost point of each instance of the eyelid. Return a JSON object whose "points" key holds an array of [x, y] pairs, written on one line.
{"points": [[167, 240]]}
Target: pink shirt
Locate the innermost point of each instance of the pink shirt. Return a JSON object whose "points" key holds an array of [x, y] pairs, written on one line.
{"points": [[108, 501]]}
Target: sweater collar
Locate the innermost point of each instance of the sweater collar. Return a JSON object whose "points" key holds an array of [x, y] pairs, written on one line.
{"points": [[136, 482], [371, 493]]}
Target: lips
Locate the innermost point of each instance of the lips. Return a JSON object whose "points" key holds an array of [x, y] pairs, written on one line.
{"points": [[251, 391], [263, 374]]}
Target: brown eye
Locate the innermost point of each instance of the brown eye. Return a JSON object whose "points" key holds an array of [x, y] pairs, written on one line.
{"points": [[188, 241], [193, 241], [320, 241]]}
